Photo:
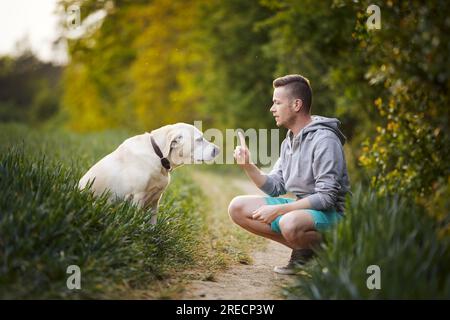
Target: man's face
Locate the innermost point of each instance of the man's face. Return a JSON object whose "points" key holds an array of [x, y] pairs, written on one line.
{"points": [[282, 108]]}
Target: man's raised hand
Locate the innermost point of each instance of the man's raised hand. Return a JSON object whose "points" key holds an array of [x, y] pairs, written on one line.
{"points": [[241, 153]]}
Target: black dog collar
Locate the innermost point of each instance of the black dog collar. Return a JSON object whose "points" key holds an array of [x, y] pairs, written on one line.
{"points": [[164, 161]]}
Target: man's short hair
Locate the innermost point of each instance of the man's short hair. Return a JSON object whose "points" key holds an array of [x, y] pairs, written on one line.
{"points": [[298, 88]]}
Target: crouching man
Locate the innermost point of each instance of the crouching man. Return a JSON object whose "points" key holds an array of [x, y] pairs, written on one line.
{"points": [[311, 166]]}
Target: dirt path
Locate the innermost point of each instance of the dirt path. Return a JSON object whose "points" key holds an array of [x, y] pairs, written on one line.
{"points": [[253, 281]]}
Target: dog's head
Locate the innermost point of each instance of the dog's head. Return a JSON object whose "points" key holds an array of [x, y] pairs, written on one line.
{"points": [[186, 145]]}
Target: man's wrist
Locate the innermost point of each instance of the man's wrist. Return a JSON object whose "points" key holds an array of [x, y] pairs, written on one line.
{"points": [[283, 209], [296, 205], [246, 166]]}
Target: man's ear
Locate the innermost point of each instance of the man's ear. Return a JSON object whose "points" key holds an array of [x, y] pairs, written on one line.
{"points": [[298, 104]]}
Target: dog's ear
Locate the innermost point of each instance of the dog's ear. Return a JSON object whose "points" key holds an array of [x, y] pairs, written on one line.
{"points": [[174, 139]]}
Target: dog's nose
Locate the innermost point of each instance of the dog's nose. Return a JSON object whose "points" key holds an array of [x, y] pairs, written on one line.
{"points": [[215, 151]]}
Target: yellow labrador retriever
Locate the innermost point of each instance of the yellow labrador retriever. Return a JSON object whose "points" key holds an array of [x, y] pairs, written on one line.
{"points": [[139, 168]]}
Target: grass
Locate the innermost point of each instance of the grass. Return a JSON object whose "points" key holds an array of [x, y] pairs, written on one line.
{"points": [[393, 233], [46, 224], [228, 242]]}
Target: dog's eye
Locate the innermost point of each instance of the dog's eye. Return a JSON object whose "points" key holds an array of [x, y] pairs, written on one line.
{"points": [[200, 139]]}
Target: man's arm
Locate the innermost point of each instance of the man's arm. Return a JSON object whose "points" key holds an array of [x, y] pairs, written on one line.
{"points": [[296, 205], [328, 166], [242, 156], [272, 184], [258, 177], [268, 213]]}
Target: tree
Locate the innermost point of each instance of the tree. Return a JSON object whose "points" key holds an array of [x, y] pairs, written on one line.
{"points": [[138, 68], [29, 89]]}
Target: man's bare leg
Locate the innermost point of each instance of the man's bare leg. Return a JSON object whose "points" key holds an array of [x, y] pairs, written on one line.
{"points": [[297, 230], [241, 210], [297, 227]]}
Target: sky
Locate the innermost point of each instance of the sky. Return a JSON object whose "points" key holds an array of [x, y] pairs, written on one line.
{"points": [[34, 19]]}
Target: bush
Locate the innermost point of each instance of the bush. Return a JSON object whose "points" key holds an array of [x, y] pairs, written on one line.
{"points": [[392, 233]]}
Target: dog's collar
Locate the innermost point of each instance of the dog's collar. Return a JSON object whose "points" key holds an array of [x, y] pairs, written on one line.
{"points": [[164, 161]]}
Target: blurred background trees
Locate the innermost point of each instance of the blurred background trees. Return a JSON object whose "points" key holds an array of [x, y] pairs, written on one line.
{"points": [[30, 90], [137, 65], [148, 63]]}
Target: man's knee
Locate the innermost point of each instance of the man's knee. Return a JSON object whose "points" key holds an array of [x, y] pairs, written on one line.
{"points": [[293, 228], [289, 230], [236, 209]]}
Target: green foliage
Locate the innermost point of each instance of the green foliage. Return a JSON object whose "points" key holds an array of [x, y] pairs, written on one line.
{"points": [[314, 38], [311, 38], [29, 89], [238, 79], [390, 87], [393, 233], [138, 69], [397, 156], [410, 152], [153, 63], [149, 63], [46, 224]]}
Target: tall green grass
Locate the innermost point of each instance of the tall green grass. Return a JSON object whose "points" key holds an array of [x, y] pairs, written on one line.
{"points": [[392, 233], [46, 224]]}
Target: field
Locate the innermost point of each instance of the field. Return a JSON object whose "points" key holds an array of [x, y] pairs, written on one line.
{"points": [[46, 224]]}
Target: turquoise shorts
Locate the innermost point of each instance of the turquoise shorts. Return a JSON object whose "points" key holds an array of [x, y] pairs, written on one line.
{"points": [[322, 219]]}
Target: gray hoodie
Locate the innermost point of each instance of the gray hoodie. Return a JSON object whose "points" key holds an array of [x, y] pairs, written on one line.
{"points": [[312, 164]]}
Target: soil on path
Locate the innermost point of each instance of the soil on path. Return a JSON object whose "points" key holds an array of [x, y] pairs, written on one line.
{"points": [[253, 281]]}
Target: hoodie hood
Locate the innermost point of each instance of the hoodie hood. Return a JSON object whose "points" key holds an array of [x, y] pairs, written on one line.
{"points": [[319, 122]]}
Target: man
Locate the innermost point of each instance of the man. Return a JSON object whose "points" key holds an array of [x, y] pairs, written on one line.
{"points": [[311, 166]]}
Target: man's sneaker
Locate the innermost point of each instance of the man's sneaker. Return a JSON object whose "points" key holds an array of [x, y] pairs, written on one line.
{"points": [[298, 259]]}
